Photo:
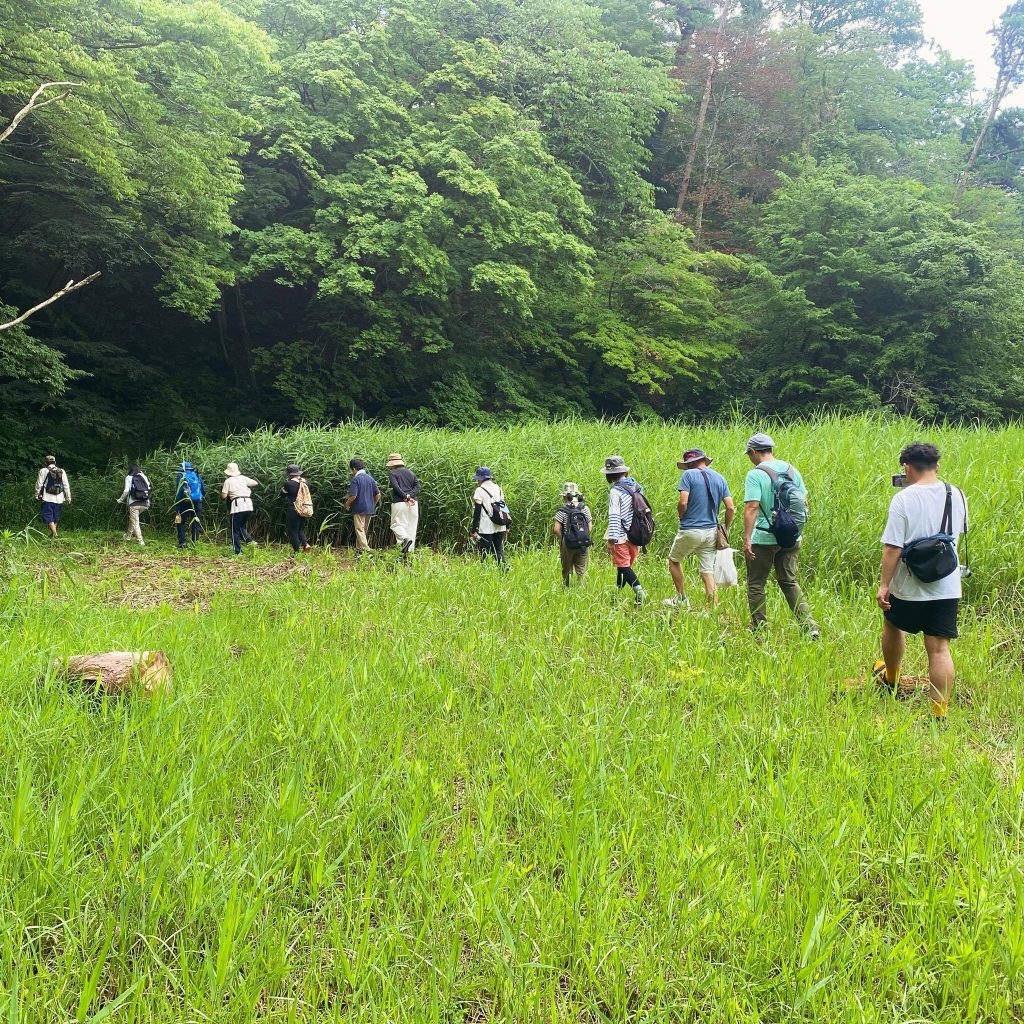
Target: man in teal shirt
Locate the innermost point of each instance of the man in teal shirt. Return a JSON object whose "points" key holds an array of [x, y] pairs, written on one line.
{"points": [[759, 545]]}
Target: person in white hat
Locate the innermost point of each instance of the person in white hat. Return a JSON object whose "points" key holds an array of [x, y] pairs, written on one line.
{"points": [[405, 506], [237, 491]]}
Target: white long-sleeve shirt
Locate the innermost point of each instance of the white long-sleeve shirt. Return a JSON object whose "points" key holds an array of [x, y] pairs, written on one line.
{"points": [[57, 499]]}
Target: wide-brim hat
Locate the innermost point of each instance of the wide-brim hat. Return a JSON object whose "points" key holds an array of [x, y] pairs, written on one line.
{"points": [[293, 469], [394, 459], [692, 455], [232, 469], [483, 473], [614, 464]]}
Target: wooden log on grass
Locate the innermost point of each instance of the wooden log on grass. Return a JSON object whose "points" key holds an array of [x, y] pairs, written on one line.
{"points": [[118, 672]]}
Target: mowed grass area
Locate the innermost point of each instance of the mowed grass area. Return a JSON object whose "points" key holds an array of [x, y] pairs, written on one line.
{"points": [[427, 793]]}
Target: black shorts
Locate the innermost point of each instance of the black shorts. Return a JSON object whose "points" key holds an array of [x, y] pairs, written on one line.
{"points": [[933, 618]]}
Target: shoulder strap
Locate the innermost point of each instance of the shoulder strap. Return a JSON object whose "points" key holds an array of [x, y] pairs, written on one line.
{"points": [[946, 526], [772, 475], [712, 507]]}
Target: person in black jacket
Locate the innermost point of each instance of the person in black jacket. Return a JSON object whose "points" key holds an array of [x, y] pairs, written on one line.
{"points": [[294, 522], [405, 506]]}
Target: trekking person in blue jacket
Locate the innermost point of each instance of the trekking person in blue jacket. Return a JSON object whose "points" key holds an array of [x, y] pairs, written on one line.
{"points": [[189, 492]]}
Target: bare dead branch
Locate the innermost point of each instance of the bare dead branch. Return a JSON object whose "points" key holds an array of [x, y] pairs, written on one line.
{"points": [[71, 286], [37, 102]]}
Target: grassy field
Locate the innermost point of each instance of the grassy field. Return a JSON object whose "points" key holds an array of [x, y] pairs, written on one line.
{"points": [[427, 793]]}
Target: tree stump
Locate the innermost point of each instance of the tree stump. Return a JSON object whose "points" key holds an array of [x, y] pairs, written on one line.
{"points": [[118, 672]]}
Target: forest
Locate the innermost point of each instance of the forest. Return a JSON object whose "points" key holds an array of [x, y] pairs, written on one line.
{"points": [[478, 212]]}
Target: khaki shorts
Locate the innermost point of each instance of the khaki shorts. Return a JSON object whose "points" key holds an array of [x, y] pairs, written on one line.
{"points": [[695, 542]]}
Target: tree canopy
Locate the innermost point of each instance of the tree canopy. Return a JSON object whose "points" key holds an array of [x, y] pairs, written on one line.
{"points": [[487, 209]]}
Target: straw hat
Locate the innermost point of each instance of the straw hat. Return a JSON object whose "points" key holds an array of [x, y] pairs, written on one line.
{"points": [[394, 459], [232, 469]]}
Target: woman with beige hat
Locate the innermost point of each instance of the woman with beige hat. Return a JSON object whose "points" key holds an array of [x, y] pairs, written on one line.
{"points": [[237, 491], [405, 508]]}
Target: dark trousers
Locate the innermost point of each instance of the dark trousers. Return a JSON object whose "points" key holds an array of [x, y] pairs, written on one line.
{"points": [[296, 534], [493, 544], [239, 532], [768, 557], [190, 513]]}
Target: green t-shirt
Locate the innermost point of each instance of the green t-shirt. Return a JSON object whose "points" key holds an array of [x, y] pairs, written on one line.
{"points": [[758, 487]]}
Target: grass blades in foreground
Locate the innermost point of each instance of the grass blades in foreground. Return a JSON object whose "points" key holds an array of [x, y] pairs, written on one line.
{"points": [[428, 793]]}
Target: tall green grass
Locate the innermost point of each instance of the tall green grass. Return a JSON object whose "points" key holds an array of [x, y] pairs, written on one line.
{"points": [[439, 795], [847, 463]]}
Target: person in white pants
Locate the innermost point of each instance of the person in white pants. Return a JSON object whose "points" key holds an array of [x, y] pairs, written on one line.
{"points": [[136, 492], [405, 506]]}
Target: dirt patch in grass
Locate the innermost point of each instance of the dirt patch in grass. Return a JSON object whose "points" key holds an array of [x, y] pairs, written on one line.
{"points": [[141, 582]]}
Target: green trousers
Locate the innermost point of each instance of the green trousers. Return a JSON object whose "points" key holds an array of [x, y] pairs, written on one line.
{"points": [[785, 563]]}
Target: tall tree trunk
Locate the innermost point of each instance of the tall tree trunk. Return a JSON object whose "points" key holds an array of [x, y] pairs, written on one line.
{"points": [[243, 331], [702, 113], [698, 221], [998, 95], [698, 131]]}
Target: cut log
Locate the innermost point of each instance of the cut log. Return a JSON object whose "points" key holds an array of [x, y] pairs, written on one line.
{"points": [[117, 672]]}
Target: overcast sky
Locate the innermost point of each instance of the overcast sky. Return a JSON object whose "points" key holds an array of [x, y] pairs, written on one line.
{"points": [[961, 28]]}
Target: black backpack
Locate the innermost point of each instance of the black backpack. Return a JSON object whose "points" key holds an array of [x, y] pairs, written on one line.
{"points": [[576, 531], [641, 529], [54, 481], [500, 514], [933, 558], [139, 490]]}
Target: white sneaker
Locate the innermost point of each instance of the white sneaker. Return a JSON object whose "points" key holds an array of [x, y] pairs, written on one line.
{"points": [[676, 602]]}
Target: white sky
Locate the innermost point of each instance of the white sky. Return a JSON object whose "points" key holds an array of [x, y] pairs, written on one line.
{"points": [[960, 27]]}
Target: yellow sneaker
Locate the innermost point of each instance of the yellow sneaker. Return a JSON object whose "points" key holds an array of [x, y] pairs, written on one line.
{"points": [[879, 678], [940, 709]]}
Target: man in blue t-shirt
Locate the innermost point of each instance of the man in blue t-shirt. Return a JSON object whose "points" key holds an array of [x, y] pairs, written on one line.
{"points": [[362, 501], [702, 491]]}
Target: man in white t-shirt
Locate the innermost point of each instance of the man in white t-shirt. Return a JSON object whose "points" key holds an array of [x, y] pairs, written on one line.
{"points": [[910, 605]]}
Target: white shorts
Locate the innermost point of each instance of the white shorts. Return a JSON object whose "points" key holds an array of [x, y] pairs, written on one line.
{"points": [[695, 542]]}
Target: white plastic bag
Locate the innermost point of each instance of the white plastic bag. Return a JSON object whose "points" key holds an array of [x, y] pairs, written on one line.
{"points": [[725, 568]]}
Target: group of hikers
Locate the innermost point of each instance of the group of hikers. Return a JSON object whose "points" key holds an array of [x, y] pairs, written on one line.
{"points": [[919, 587]]}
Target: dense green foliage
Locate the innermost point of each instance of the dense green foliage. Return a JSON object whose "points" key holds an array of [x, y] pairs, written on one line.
{"points": [[422, 795], [487, 209]]}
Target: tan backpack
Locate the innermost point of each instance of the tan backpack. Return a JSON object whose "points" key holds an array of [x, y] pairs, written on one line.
{"points": [[304, 501]]}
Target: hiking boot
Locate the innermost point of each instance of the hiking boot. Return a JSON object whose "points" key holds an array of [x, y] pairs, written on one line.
{"points": [[878, 677], [639, 595], [677, 602], [406, 546], [815, 633], [308, 547]]}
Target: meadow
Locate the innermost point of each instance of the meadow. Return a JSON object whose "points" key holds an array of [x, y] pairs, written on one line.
{"points": [[426, 792]]}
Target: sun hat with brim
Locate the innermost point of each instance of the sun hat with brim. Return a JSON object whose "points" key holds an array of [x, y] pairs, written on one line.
{"points": [[232, 469], [760, 443], [394, 459], [50, 458], [692, 455], [570, 487], [483, 473], [614, 464], [292, 469], [186, 466]]}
